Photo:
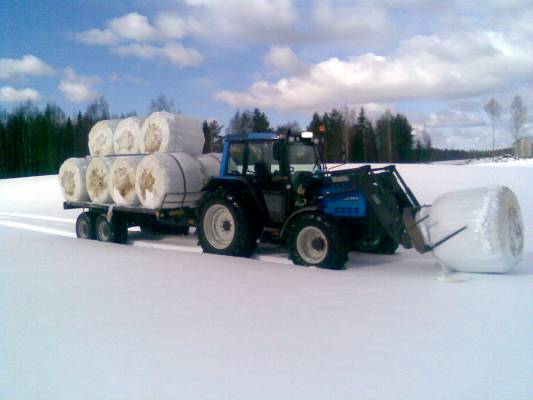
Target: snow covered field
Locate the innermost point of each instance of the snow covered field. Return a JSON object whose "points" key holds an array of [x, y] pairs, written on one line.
{"points": [[157, 320]]}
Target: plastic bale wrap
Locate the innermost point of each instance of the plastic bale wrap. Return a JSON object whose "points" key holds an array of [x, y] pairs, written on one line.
{"points": [[210, 164], [171, 133], [101, 137], [168, 180], [493, 240], [98, 180], [127, 136], [122, 180], [72, 179]]}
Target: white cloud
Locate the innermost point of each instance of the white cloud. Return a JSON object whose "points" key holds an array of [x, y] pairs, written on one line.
{"points": [[78, 88], [20, 69], [172, 52], [454, 118], [115, 77], [270, 21], [12, 95], [171, 25], [284, 59], [436, 66], [350, 21], [133, 26], [98, 37]]}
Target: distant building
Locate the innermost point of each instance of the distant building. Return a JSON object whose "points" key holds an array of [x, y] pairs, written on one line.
{"points": [[523, 147]]}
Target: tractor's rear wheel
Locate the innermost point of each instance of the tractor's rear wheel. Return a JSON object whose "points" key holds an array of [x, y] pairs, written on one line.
{"points": [[378, 243], [224, 226], [315, 240]]}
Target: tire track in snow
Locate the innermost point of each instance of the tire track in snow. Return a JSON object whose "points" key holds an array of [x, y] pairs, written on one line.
{"points": [[34, 216], [279, 259]]}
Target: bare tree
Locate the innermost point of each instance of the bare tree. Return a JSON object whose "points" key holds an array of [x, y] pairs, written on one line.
{"points": [[493, 110], [518, 117], [161, 103]]}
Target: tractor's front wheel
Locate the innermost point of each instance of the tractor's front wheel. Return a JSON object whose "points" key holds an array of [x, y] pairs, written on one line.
{"points": [[224, 226], [315, 240], [376, 244]]}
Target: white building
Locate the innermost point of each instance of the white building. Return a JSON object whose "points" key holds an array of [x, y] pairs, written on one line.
{"points": [[523, 147]]}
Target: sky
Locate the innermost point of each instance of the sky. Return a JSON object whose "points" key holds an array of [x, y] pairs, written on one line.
{"points": [[436, 62]]}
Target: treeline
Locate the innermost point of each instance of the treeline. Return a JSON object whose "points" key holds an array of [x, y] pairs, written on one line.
{"points": [[348, 137], [36, 142]]}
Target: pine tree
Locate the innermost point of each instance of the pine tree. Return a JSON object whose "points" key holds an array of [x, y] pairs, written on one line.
{"points": [[402, 138], [212, 142], [314, 125], [334, 149], [260, 121], [384, 137]]}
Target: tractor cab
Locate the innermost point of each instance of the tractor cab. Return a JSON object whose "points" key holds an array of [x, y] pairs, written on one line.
{"points": [[278, 169]]}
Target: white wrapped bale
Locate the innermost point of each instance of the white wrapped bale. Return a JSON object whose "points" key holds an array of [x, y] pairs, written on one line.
{"points": [[493, 240], [168, 180], [210, 164], [127, 136], [122, 180], [97, 180], [101, 137], [72, 179], [171, 133]]}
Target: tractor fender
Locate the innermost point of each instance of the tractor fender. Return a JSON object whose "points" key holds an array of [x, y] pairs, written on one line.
{"points": [[241, 188], [303, 210], [232, 182]]}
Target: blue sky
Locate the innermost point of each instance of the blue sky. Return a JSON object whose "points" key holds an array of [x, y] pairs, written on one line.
{"points": [[437, 62]]}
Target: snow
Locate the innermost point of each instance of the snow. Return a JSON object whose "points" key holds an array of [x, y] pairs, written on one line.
{"points": [[156, 319]]}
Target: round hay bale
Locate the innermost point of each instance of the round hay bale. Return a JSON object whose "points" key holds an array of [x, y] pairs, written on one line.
{"points": [[101, 137], [97, 179], [72, 179], [493, 240], [168, 180], [210, 165], [171, 133], [127, 136], [122, 180]]}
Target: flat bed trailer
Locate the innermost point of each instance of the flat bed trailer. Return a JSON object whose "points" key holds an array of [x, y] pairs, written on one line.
{"points": [[110, 222]]}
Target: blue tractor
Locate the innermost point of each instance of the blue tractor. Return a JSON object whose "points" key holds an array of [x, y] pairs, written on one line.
{"points": [[274, 187]]}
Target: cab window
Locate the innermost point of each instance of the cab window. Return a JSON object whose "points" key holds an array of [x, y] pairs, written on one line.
{"points": [[236, 158]]}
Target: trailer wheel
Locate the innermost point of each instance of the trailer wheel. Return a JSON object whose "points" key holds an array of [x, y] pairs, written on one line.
{"points": [[376, 244], [224, 226], [85, 226], [116, 231], [315, 240]]}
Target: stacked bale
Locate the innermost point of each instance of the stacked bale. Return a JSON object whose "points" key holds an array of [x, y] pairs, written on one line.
{"points": [[169, 177], [101, 137], [171, 133], [97, 180], [210, 164], [72, 179], [122, 180], [127, 136], [168, 180]]}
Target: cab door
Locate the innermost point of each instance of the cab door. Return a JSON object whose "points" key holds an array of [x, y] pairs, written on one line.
{"points": [[271, 181]]}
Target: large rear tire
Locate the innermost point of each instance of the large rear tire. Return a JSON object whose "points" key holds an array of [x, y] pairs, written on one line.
{"points": [[315, 240], [224, 226]]}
